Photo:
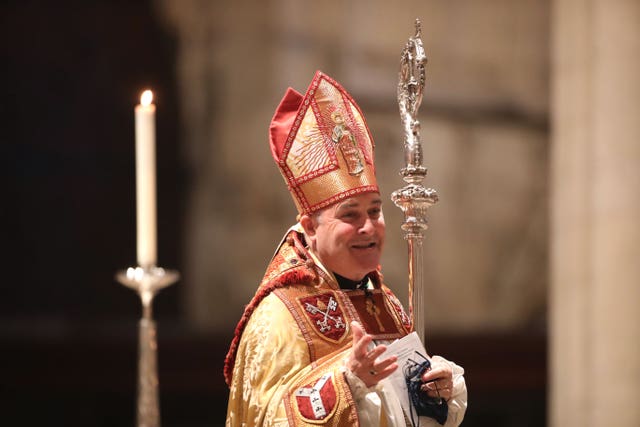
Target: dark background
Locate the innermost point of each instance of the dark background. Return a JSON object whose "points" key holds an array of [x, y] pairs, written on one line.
{"points": [[72, 72]]}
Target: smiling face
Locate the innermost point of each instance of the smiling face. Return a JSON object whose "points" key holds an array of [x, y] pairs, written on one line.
{"points": [[348, 236]]}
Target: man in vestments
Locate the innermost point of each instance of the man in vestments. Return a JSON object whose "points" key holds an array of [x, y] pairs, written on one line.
{"points": [[308, 350]]}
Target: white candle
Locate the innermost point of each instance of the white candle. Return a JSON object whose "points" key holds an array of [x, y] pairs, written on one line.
{"points": [[146, 180]]}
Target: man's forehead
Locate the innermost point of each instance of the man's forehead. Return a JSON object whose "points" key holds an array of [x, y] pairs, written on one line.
{"points": [[365, 199]]}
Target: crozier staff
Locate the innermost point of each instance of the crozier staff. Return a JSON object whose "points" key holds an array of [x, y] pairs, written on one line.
{"points": [[308, 347]]}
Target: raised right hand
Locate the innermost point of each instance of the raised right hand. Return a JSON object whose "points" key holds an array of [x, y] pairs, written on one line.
{"points": [[362, 360]]}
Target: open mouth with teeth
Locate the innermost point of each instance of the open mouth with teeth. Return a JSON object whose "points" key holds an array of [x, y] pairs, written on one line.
{"points": [[368, 245]]}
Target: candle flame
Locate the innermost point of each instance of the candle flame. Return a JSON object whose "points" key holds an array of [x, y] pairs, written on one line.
{"points": [[146, 98]]}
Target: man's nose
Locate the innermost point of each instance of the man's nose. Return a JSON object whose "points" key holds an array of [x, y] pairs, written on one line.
{"points": [[367, 227]]}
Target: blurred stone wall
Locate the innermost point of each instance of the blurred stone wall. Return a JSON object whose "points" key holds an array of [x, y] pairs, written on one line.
{"points": [[484, 130]]}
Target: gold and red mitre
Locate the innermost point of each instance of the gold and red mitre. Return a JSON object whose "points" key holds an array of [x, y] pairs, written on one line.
{"points": [[322, 145]]}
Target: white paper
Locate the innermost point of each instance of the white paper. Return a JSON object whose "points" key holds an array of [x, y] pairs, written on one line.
{"points": [[405, 349]]}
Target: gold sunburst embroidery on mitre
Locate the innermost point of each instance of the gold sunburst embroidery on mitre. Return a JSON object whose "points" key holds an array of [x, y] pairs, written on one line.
{"points": [[311, 153]]}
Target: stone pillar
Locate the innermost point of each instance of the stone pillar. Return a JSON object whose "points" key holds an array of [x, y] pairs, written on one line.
{"points": [[595, 235]]}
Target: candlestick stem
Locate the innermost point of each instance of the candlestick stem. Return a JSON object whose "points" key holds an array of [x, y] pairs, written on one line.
{"points": [[147, 282], [148, 407]]}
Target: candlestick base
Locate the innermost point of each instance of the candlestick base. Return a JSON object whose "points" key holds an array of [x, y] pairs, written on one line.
{"points": [[147, 282]]}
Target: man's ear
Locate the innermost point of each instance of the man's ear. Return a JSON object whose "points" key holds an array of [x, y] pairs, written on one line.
{"points": [[308, 225]]}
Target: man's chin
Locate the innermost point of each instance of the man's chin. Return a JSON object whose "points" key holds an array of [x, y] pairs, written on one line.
{"points": [[369, 265]]}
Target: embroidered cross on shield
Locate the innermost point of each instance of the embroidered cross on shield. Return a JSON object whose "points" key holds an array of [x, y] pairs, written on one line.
{"points": [[325, 315], [317, 401]]}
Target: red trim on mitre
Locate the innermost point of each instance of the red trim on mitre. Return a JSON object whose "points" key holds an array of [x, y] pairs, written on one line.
{"points": [[344, 195], [350, 99], [302, 110], [282, 122], [285, 126], [309, 101]]}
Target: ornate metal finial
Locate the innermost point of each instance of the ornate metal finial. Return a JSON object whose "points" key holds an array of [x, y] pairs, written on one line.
{"points": [[413, 198], [410, 88]]}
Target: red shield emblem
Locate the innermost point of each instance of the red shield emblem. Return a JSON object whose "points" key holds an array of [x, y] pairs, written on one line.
{"points": [[317, 401], [325, 315]]}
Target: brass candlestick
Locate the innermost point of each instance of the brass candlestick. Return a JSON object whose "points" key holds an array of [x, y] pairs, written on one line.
{"points": [[147, 282], [413, 198]]}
